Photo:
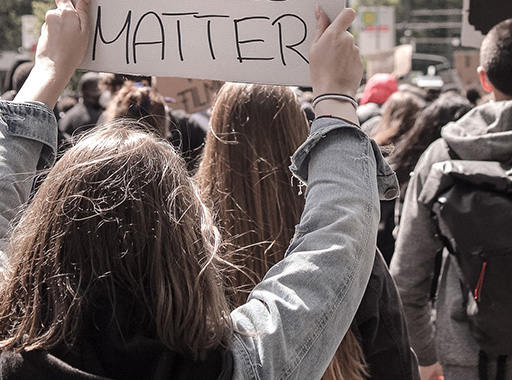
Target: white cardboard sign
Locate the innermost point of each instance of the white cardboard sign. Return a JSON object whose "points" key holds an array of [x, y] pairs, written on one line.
{"points": [[376, 29], [259, 41]]}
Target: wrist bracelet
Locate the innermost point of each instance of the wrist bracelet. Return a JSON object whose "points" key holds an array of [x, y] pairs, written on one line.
{"points": [[341, 97]]}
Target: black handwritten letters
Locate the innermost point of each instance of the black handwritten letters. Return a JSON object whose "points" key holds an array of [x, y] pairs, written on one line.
{"points": [[166, 36], [198, 96]]}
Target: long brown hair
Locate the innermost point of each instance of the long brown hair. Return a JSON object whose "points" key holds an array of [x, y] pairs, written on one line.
{"points": [[117, 216], [398, 116], [254, 131], [426, 129]]}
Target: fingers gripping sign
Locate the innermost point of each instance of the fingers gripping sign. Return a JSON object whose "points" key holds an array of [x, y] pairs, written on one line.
{"points": [[64, 35], [60, 49], [335, 63]]}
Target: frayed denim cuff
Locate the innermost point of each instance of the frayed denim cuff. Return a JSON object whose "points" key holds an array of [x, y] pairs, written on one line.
{"points": [[386, 178], [34, 121]]}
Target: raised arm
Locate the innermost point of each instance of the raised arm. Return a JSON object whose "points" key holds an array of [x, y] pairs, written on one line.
{"points": [[28, 129], [297, 316], [60, 49]]}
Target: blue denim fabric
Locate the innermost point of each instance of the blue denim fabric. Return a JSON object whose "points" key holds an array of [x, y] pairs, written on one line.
{"points": [[295, 318], [28, 141]]}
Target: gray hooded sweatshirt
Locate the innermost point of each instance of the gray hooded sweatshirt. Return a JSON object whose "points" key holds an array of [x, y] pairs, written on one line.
{"points": [[443, 335]]}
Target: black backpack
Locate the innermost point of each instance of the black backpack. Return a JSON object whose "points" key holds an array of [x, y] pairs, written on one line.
{"points": [[472, 204]]}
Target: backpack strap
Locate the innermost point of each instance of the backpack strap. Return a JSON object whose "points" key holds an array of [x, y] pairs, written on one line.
{"points": [[438, 264], [452, 154]]}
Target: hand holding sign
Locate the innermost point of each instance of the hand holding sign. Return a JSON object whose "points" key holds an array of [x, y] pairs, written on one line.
{"points": [[335, 63], [255, 41], [61, 48], [64, 36]]}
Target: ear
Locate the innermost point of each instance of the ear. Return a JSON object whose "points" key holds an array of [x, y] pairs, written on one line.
{"points": [[486, 84]]}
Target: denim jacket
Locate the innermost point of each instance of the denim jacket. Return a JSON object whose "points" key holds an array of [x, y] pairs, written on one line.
{"points": [[28, 138], [295, 319]]}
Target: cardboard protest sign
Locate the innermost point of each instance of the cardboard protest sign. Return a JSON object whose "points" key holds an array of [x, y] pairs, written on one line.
{"points": [[397, 61], [466, 63], [190, 95], [376, 27], [260, 41]]}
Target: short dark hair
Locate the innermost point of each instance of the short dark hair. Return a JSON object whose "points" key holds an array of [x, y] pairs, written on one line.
{"points": [[496, 56]]}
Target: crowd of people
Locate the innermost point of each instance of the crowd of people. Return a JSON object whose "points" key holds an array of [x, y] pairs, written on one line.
{"points": [[291, 241]]}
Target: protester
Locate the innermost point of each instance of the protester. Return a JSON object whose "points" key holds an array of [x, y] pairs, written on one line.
{"points": [[254, 131], [188, 136], [109, 85], [15, 78], [140, 102], [398, 116], [399, 113], [112, 269], [85, 114], [427, 128], [376, 91], [19, 77], [445, 345], [64, 104]]}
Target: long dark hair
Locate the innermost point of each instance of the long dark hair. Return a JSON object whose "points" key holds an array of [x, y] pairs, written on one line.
{"points": [[254, 131], [398, 116], [427, 128], [244, 171], [117, 215]]}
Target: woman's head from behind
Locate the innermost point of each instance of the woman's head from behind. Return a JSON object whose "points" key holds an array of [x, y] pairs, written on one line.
{"points": [[427, 128], [256, 121], [398, 116], [117, 216], [254, 131]]}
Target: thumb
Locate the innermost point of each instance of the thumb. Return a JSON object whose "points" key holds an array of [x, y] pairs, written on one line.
{"points": [[322, 22]]}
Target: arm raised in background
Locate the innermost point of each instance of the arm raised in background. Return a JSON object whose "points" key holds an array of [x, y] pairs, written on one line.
{"points": [[60, 49]]}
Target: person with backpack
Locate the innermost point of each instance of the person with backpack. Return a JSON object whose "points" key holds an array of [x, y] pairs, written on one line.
{"points": [[460, 336], [113, 269]]}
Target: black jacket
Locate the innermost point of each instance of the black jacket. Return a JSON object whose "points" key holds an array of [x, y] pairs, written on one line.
{"points": [[120, 347], [380, 327]]}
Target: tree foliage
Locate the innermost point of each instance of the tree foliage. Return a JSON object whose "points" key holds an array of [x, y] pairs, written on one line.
{"points": [[41, 7], [10, 22]]}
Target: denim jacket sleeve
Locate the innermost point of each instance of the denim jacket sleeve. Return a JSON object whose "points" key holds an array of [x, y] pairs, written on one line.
{"points": [[28, 140], [296, 317]]}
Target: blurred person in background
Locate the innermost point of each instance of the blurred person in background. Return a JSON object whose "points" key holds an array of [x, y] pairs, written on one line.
{"points": [[85, 114]]}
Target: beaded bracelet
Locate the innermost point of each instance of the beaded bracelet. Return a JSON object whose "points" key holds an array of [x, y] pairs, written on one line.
{"points": [[341, 97]]}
